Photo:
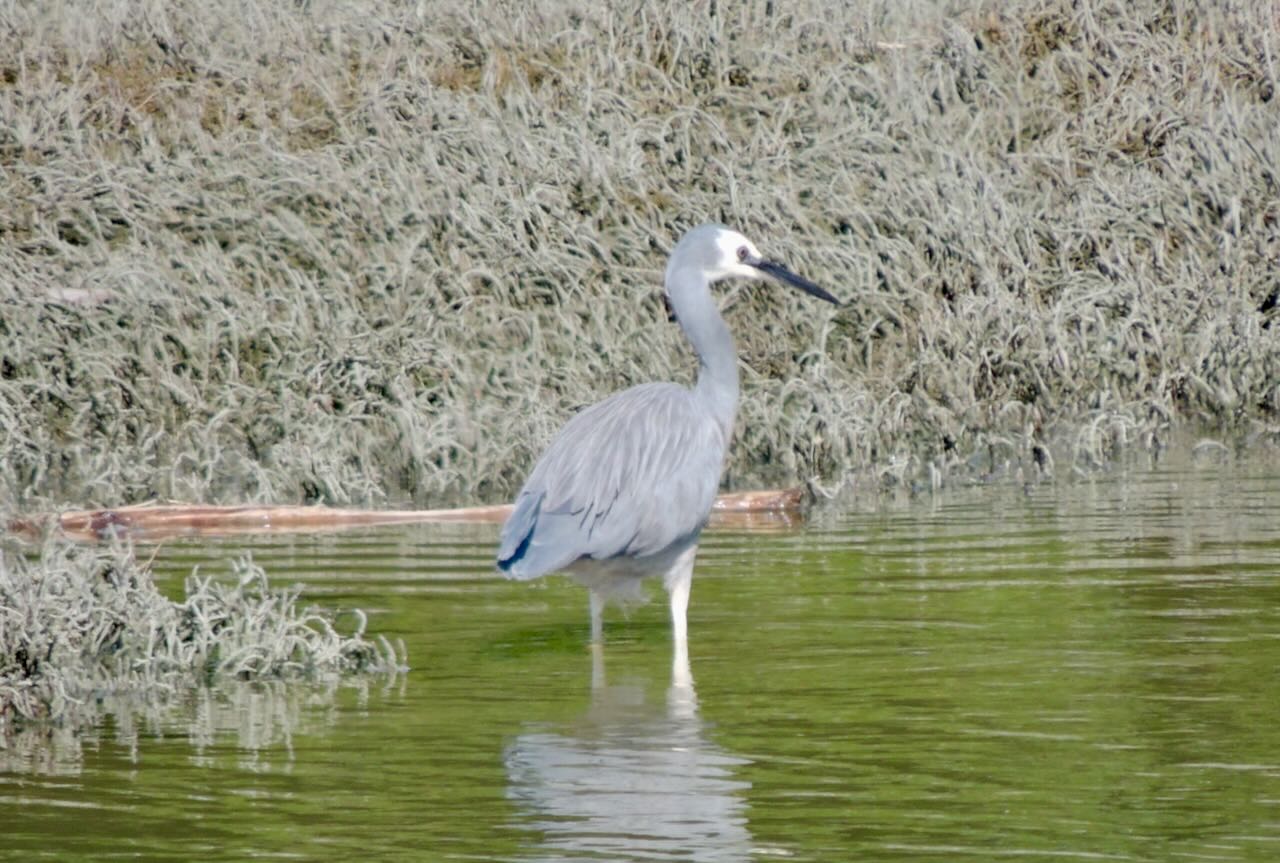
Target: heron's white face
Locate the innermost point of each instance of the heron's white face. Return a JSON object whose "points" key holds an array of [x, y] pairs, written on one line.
{"points": [[733, 254], [712, 252]]}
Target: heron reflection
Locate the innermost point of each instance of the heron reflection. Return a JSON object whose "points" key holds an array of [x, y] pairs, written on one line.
{"points": [[631, 779]]}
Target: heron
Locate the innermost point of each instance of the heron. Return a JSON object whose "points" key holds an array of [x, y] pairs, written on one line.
{"points": [[625, 488]]}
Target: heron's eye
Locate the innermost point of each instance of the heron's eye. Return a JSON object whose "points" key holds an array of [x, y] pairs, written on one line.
{"points": [[743, 253]]}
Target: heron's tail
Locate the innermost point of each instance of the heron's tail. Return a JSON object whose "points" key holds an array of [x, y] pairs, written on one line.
{"points": [[535, 542], [517, 534]]}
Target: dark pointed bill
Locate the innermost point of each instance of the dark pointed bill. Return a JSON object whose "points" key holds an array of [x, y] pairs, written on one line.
{"points": [[782, 274]]}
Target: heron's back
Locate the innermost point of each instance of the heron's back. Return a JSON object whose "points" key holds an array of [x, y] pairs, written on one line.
{"points": [[632, 476]]}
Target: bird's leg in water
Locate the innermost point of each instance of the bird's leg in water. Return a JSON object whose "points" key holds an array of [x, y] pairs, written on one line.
{"points": [[682, 702], [597, 666], [678, 581], [597, 617]]}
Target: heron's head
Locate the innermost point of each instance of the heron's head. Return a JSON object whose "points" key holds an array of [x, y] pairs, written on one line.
{"points": [[717, 252]]}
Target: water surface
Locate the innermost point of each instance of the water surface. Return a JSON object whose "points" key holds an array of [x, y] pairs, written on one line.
{"points": [[1081, 671]]}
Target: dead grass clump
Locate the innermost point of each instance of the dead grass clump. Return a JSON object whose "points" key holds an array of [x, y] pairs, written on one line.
{"points": [[83, 625], [361, 252]]}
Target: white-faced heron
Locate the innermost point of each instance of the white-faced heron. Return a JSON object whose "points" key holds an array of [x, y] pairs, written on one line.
{"points": [[625, 488]]}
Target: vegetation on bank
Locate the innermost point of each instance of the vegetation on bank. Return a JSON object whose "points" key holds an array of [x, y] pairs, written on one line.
{"points": [[83, 627], [359, 252]]}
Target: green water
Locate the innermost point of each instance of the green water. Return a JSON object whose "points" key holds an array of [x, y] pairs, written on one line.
{"points": [[1089, 671]]}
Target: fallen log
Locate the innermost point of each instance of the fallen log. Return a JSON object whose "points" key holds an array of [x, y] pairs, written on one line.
{"points": [[150, 522]]}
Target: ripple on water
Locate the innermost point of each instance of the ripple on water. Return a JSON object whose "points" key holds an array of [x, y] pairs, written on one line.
{"points": [[1080, 671]]}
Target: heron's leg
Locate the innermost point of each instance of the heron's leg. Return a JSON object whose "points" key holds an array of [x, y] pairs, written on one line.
{"points": [[597, 617], [682, 702], [597, 666], [681, 677], [679, 580]]}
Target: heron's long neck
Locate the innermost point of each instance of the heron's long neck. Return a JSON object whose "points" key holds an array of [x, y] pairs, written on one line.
{"points": [[696, 311]]}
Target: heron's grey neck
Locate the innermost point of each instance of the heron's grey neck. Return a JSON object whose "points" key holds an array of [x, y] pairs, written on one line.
{"points": [[696, 312]]}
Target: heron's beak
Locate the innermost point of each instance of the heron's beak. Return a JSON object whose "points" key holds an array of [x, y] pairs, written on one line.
{"points": [[782, 274]]}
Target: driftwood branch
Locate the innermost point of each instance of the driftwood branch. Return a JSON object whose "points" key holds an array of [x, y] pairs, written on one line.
{"points": [[156, 521]]}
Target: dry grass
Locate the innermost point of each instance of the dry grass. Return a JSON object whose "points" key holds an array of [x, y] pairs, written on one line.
{"points": [[84, 631], [354, 252]]}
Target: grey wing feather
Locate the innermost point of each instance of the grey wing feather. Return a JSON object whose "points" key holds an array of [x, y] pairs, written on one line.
{"points": [[628, 476]]}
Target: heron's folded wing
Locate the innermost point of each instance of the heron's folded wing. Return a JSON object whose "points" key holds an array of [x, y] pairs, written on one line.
{"points": [[628, 476]]}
